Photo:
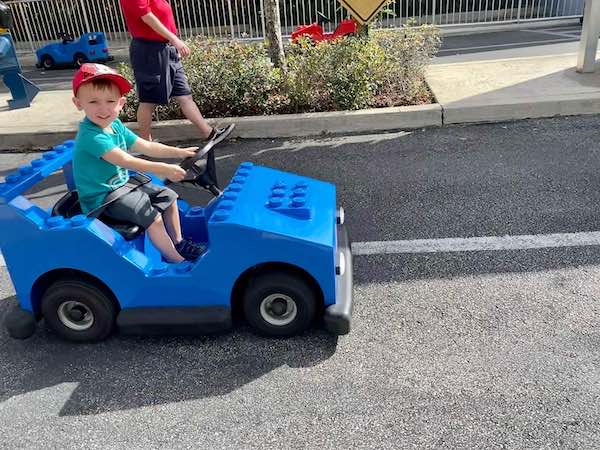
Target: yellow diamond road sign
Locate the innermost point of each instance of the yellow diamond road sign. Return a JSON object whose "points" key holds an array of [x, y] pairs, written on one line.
{"points": [[363, 11]]}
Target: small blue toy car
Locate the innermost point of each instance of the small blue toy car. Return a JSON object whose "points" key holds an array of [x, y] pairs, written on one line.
{"points": [[90, 47], [277, 254]]}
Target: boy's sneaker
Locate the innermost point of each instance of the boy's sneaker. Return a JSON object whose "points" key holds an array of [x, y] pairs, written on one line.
{"points": [[189, 249], [220, 134]]}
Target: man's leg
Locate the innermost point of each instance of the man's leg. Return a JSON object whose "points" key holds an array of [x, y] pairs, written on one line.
{"points": [[191, 111], [180, 91], [144, 119]]}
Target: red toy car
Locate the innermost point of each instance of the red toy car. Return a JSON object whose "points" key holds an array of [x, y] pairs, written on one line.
{"points": [[314, 31]]}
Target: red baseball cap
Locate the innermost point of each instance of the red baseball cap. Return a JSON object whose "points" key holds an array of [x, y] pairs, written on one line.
{"points": [[91, 71]]}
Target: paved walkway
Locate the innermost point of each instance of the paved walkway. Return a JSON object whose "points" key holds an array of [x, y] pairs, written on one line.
{"points": [[511, 89]]}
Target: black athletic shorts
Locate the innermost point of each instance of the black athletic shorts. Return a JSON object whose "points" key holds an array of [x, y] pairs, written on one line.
{"points": [[142, 205], [158, 71]]}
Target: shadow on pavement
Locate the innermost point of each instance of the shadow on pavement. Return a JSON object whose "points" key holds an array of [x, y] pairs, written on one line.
{"points": [[132, 372]]}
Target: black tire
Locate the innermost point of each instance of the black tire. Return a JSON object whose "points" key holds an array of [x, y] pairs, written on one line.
{"points": [[47, 62], [80, 59], [79, 311], [279, 304]]}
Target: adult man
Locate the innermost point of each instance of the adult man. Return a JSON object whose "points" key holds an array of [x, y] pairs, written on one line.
{"points": [[155, 54]]}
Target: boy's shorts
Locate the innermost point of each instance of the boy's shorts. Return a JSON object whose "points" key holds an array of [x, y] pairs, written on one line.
{"points": [[142, 205], [158, 71]]}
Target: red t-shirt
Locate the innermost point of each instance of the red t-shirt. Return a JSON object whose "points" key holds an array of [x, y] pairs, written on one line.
{"points": [[133, 10]]}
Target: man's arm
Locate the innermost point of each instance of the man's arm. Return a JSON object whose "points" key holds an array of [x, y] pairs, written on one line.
{"points": [[151, 20], [158, 150], [123, 159]]}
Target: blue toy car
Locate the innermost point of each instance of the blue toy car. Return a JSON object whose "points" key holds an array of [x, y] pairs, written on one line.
{"points": [[278, 254], [90, 47]]}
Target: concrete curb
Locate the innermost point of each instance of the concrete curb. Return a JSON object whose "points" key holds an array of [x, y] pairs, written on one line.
{"points": [[28, 139], [315, 124], [516, 110], [312, 124], [285, 125]]}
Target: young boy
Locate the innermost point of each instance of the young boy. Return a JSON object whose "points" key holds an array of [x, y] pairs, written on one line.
{"points": [[101, 163]]}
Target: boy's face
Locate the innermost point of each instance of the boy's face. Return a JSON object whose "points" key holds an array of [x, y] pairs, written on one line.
{"points": [[101, 106]]}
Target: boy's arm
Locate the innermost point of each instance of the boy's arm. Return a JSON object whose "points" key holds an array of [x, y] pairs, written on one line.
{"points": [[123, 159], [158, 150]]}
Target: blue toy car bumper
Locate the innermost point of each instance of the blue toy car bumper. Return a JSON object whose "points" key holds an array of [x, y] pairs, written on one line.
{"points": [[337, 316]]}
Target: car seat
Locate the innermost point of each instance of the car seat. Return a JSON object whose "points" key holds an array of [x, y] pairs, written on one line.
{"points": [[68, 206]]}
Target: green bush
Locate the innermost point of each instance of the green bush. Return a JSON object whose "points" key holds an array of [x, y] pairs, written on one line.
{"points": [[407, 52], [235, 79], [337, 75], [227, 79]]}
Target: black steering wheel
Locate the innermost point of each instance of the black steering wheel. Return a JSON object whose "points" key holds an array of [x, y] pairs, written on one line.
{"points": [[66, 37], [200, 171]]}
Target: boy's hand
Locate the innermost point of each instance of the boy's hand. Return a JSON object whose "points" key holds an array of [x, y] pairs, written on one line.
{"points": [[173, 172], [186, 152]]}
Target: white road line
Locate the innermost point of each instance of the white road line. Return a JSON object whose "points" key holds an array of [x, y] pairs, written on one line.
{"points": [[295, 146], [565, 34], [473, 244], [230, 155], [486, 243]]}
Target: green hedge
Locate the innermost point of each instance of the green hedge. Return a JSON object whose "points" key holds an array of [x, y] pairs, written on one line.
{"points": [[238, 79]]}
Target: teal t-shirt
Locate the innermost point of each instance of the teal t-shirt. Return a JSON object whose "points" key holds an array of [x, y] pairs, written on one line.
{"points": [[93, 176]]}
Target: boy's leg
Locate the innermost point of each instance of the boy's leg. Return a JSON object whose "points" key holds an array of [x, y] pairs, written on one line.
{"points": [[162, 241], [172, 223], [165, 201], [136, 207], [144, 119]]}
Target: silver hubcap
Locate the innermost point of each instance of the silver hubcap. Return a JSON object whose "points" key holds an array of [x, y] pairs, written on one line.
{"points": [[278, 309], [75, 315]]}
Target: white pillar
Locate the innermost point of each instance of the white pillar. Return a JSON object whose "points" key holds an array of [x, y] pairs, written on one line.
{"points": [[588, 44]]}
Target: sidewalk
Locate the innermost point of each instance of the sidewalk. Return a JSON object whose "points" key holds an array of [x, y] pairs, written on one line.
{"points": [[482, 91], [510, 89]]}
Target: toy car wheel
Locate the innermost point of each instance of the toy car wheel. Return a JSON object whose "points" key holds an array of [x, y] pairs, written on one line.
{"points": [[279, 304], [47, 62], [80, 59], [78, 311]]}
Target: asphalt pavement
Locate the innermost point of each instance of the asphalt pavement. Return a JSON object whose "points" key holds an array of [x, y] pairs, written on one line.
{"points": [[453, 349], [523, 43]]}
